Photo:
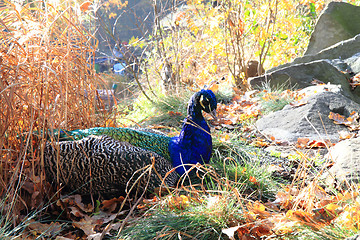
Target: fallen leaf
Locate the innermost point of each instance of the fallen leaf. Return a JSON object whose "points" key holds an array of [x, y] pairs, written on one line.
{"points": [[319, 144], [317, 82], [110, 205], [299, 103], [259, 209], [355, 81], [96, 236], [230, 232], [260, 143], [299, 215], [326, 214], [86, 225], [85, 6], [302, 142], [253, 180], [62, 238], [173, 114], [179, 202], [44, 229], [346, 135], [351, 122]]}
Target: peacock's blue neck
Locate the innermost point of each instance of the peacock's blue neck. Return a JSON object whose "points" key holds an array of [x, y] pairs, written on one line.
{"points": [[194, 144]]}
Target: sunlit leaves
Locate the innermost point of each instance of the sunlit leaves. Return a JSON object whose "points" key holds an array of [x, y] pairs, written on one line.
{"points": [[110, 4], [112, 15]]}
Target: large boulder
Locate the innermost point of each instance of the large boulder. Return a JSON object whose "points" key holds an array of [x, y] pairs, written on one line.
{"points": [[310, 120], [346, 168], [336, 23], [342, 55], [302, 75], [332, 65]]}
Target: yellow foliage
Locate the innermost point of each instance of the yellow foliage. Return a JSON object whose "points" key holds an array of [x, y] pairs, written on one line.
{"points": [[206, 42], [112, 15]]}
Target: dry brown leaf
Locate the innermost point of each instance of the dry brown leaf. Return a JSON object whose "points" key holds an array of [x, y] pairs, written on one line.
{"points": [[327, 213], [110, 205], [104, 217], [86, 225], [355, 81], [302, 142], [76, 212], [45, 229], [284, 199], [299, 215], [259, 209], [319, 144], [262, 229], [299, 103], [260, 143], [351, 122], [78, 202], [243, 233]]}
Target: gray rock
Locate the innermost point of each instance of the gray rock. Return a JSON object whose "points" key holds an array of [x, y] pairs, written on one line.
{"points": [[344, 56], [313, 90], [346, 169], [339, 21], [310, 120], [339, 51], [354, 63], [301, 75]]}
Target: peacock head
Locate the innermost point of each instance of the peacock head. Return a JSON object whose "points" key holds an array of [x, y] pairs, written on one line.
{"points": [[203, 100]]}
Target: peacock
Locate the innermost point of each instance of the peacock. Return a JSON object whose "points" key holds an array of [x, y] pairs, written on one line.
{"points": [[109, 161]]}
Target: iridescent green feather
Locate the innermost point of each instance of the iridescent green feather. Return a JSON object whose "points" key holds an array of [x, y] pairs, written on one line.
{"points": [[147, 140]]}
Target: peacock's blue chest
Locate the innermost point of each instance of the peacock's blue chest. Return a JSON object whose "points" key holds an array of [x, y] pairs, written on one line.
{"points": [[193, 145]]}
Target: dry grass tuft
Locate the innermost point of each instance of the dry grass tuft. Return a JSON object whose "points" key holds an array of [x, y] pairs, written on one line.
{"points": [[47, 82]]}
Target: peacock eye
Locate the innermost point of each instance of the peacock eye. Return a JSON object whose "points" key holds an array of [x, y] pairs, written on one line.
{"points": [[204, 101]]}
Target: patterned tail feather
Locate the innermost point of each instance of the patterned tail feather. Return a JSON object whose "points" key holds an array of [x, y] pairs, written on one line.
{"points": [[102, 165], [146, 139]]}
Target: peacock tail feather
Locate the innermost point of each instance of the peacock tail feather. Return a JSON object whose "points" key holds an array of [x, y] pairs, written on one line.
{"points": [[144, 138], [104, 166]]}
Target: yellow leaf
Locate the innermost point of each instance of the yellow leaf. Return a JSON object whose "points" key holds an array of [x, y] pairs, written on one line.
{"points": [[112, 15], [332, 207], [213, 68]]}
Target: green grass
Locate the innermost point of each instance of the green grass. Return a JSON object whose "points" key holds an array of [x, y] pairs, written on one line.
{"points": [[239, 162], [170, 225], [273, 99], [330, 232]]}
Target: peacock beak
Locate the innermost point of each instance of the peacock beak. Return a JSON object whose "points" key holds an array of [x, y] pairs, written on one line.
{"points": [[213, 114]]}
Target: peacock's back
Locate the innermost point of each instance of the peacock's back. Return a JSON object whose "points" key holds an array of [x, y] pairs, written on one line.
{"points": [[103, 166]]}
